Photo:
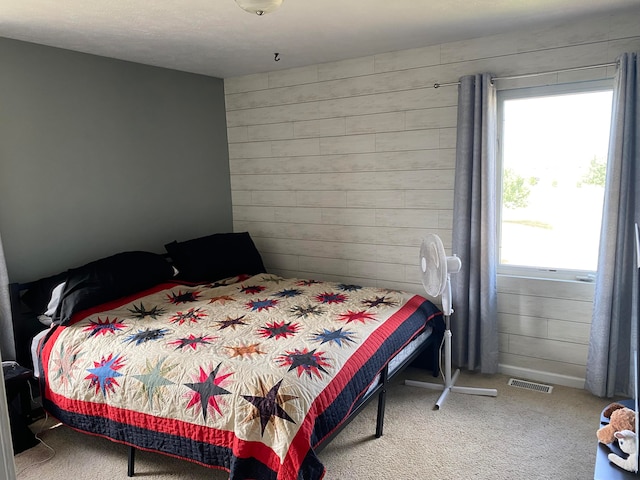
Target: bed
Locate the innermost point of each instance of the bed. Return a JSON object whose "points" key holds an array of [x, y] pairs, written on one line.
{"points": [[227, 366]]}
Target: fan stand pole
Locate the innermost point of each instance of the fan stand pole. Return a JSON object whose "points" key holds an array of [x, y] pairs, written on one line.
{"points": [[449, 382]]}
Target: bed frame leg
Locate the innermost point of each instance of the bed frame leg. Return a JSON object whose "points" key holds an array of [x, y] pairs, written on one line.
{"points": [[382, 399], [132, 460]]}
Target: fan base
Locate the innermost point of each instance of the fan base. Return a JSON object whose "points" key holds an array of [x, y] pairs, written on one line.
{"points": [[449, 381], [451, 387]]}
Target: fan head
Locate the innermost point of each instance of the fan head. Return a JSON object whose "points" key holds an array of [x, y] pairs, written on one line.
{"points": [[433, 264]]}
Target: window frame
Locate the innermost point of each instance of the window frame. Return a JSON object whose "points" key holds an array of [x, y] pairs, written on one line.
{"points": [[524, 93]]}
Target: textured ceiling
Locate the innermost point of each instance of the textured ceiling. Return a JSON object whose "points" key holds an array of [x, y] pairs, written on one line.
{"points": [[217, 38]]}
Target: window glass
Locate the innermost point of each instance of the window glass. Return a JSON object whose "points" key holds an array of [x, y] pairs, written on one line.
{"points": [[553, 148]]}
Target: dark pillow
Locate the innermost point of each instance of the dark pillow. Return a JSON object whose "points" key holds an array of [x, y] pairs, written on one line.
{"points": [[108, 279], [37, 296], [217, 256]]}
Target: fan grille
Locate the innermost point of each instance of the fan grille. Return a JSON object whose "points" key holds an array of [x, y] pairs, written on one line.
{"points": [[433, 265]]}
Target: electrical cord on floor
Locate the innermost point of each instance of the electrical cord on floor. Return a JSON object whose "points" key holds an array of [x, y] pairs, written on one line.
{"points": [[37, 435]]}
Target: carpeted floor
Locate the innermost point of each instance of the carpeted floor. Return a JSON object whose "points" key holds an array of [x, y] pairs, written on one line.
{"points": [[520, 434]]}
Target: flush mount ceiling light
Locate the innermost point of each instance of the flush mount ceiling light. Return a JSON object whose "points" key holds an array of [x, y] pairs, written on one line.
{"points": [[259, 7]]}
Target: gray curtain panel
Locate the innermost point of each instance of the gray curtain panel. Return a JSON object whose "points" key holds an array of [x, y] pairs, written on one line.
{"points": [[615, 311], [7, 345], [474, 323]]}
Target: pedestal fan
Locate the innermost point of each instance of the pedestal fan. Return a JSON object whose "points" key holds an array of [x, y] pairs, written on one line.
{"points": [[436, 271]]}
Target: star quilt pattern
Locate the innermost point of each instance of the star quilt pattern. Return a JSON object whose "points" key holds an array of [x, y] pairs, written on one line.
{"points": [[246, 375]]}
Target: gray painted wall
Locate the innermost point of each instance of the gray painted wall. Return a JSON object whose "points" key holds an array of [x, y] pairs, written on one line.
{"points": [[99, 156]]}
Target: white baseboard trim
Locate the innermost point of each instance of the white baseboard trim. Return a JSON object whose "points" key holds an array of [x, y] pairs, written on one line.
{"points": [[540, 376]]}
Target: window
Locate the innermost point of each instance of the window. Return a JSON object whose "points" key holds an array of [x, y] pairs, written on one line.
{"points": [[552, 145]]}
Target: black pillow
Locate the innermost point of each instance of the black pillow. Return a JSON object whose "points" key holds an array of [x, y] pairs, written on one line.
{"points": [[217, 256], [108, 279], [38, 295]]}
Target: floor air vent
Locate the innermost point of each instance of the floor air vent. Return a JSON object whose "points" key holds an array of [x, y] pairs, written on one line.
{"points": [[537, 387]]}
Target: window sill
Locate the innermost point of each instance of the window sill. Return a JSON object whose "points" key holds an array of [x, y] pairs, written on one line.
{"points": [[560, 279]]}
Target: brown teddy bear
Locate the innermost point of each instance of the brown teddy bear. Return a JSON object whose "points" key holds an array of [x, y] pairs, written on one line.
{"points": [[620, 418]]}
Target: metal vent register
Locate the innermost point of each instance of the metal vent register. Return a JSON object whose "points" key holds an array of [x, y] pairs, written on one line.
{"points": [[537, 387]]}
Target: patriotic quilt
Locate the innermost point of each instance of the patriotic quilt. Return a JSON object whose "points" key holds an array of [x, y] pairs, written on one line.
{"points": [[246, 375]]}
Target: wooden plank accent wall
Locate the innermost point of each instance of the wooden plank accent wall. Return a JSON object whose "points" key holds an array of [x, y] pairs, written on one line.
{"points": [[544, 328], [338, 170]]}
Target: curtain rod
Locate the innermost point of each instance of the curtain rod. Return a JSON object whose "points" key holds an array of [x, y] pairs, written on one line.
{"points": [[527, 75]]}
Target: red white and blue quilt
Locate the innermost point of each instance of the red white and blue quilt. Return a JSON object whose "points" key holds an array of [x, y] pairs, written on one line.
{"points": [[246, 375]]}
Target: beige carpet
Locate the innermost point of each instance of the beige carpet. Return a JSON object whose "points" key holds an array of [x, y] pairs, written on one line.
{"points": [[519, 434]]}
